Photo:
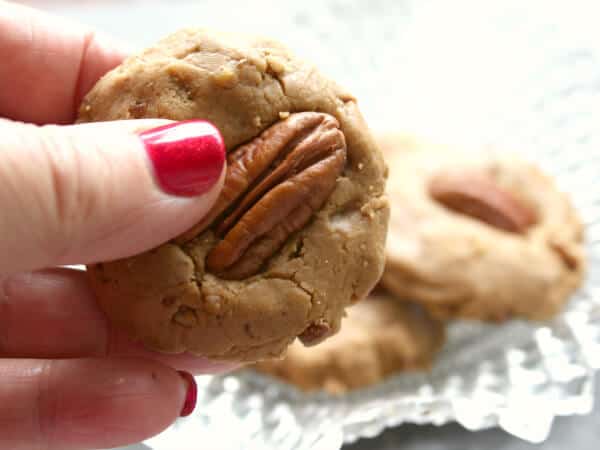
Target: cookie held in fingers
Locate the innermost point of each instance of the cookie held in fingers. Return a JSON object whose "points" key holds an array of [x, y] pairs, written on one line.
{"points": [[298, 232], [379, 337], [478, 235]]}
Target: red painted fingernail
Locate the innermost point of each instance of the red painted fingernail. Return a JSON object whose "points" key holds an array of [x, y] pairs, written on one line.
{"points": [[191, 396], [188, 157]]}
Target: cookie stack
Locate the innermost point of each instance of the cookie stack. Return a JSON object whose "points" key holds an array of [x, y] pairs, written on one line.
{"points": [[477, 236], [298, 233]]}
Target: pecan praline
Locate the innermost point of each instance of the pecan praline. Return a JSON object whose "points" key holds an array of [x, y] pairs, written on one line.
{"points": [[299, 231], [478, 234]]}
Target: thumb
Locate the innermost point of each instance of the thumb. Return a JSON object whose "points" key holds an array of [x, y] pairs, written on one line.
{"points": [[84, 193]]}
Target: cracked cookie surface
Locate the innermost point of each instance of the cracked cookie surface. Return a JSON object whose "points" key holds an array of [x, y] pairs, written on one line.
{"points": [[478, 235], [179, 297], [379, 337]]}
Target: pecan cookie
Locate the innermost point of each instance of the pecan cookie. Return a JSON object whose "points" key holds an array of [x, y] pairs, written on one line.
{"points": [[477, 235], [379, 337], [298, 232]]}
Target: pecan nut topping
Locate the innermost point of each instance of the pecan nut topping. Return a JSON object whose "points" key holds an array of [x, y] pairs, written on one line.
{"points": [[274, 185], [478, 196]]}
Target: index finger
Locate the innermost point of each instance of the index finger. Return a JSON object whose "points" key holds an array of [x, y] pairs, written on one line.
{"points": [[48, 64]]}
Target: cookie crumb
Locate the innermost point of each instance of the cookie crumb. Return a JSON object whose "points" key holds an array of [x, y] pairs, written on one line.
{"points": [[138, 109], [360, 166], [367, 211], [186, 317], [225, 77], [284, 114], [315, 333], [257, 121], [213, 303], [276, 65]]}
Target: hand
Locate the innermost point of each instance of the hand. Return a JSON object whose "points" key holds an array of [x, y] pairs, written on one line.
{"points": [[74, 195]]}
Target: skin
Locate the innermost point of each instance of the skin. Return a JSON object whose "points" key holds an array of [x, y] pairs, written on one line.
{"points": [[68, 379]]}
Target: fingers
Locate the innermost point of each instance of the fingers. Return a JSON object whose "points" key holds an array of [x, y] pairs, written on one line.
{"points": [[85, 193], [53, 314], [87, 403], [50, 314], [49, 64], [121, 345]]}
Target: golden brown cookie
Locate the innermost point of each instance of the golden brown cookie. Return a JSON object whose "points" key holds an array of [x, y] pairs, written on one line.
{"points": [[477, 235], [307, 186], [379, 337]]}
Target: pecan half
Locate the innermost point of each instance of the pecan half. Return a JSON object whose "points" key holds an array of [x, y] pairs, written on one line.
{"points": [[477, 195], [274, 185]]}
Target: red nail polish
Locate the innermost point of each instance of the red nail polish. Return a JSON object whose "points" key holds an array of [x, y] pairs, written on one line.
{"points": [[191, 396], [188, 156]]}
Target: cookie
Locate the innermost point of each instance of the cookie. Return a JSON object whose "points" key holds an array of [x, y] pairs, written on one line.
{"points": [[379, 337], [298, 233], [478, 235]]}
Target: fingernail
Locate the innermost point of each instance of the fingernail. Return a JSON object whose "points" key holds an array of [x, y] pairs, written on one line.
{"points": [[191, 394], [187, 157]]}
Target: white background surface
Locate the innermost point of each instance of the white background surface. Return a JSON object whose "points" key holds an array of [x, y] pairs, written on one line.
{"points": [[402, 72], [411, 77]]}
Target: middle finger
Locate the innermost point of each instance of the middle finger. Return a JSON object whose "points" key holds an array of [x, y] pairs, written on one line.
{"points": [[53, 314]]}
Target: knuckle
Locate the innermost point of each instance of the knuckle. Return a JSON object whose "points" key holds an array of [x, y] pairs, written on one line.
{"points": [[47, 185], [60, 186], [72, 195]]}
